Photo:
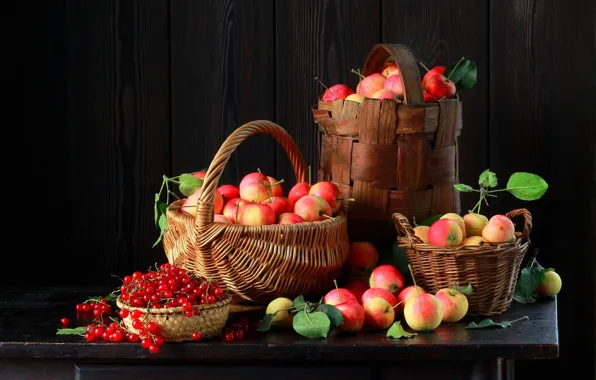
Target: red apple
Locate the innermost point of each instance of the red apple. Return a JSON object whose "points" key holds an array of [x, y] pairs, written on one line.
{"points": [[378, 292], [384, 94], [378, 314], [353, 314], [357, 287], [390, 69], [428, 98], [190, 204], [371, 84], [229, 192], [423, 312], [312, 208], [218, 218], [387, 277], [408, 293], [328, 191], [362, 259], [256, 215], [454, 303], [445, 233], [255, 187], [440, 87], [275, 188], [434, 71], [201, 174], [232, 207], [298, 191], [289, 218], [338, 91], [395, 84], [279, 205], [500, 229], [457, 219], [338, 295]]}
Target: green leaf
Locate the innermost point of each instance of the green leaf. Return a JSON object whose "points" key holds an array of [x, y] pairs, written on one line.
{"points": [[525, 287], [163, 224], [155, 209], [76, 331], [265, 323], [463, 74], [312, 325], [397, 331], [463, 188], [333, 313], [526, 186], [487, 323], [299, 302], [189, 184], [431, 220], [467, 290], [488, 179]]}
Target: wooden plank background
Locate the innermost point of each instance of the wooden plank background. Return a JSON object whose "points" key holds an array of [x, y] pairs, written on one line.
{"points": [[141, 89]]}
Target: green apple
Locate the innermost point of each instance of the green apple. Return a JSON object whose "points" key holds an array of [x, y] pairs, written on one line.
{"points": [[283, 318], [550, 285]]}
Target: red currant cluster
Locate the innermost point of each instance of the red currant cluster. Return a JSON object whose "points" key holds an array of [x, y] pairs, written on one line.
{"points": [[239, 329], [150, 337], [97, 307], [170, 287]]}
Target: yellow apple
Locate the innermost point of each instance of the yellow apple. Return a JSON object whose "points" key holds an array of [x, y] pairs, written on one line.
{"points": [[283, 318]]}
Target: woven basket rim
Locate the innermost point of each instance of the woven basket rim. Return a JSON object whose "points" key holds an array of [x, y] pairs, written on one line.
{"points": [[470, 250], [175, 310], [340, 217]]}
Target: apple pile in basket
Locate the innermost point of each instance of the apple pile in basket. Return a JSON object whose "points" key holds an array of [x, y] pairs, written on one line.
{"points": [[259, 200], [438, 83]]}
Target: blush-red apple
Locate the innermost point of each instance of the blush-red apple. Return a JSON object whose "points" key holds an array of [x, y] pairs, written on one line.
{"points": [[423, 312], [395, 84], [407, 293], [440, 87], [229, 192], [357, 287], [328, 191], [378, 314], [190, 204], [378, 292], [390, 69], [275, 187], [353, 314], [289, 218], [384, 94], [387, 277], [254, 214], [454, 303], [338, 91], [312, 208], [338, 295], [279, 205], [298, 191], [434, 71], [232, 207], [500, 229], [255, 187], [362, 258], [445, 233], [371, 84]]}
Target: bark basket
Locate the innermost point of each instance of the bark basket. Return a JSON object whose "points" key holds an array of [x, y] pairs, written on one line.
{"points": [[257, 263], [391, 157]]}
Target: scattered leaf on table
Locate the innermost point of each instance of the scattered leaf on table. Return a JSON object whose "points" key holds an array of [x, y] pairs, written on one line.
{"points": [[299, 302], [312, 325], [397, 331], [528, 281], [76, 331], [487, 323], [265, 323], [333, 313]]}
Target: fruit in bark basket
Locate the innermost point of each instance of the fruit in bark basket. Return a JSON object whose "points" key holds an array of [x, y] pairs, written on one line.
{"points": [[384, 94], [359, 98], [362, 258], [338, 91], [387, 277], [371, 84], [440, 87], [395, 85], [390, 69], [434, 71], [445, 233]]}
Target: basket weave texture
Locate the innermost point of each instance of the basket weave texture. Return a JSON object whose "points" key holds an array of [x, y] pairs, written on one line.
{"points": [[176, 326], [491, 269], [257, 263], [391, 156]]}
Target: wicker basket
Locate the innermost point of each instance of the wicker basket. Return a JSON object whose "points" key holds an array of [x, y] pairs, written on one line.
{"points": [[176, 326], [390, 156], [257, 263], [491, 269]]}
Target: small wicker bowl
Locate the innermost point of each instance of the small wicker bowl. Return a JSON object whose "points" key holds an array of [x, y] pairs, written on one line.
{"points": [[176, 326]]}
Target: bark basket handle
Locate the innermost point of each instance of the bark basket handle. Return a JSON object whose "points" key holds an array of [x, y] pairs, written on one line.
{"points": [[408, 69], [205, 202], [404, 229]]}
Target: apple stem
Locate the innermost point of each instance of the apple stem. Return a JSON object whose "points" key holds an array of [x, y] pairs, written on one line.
{"points": [[358, 73], [317, 79], [413, 279], [346, 199], [425, 68], [174, 194], [397, 304], [524, 318], [327, 216], [452, 71], [259, 170], [237, 209], [309, 177], [337, 289]]}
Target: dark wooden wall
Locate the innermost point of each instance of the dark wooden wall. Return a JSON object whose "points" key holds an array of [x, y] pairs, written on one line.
{"points": [[139, 89]]}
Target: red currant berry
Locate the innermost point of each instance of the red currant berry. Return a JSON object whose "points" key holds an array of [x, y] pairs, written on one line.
{"points": [[137, 275], [137, 324], [97, 313], [166, 294], [125, 297], [127, 280], [153, 349], [65, 321], [239, 334], [229, 336], [89, 337], [152, 327], [159, 340], [188, 313], [136, 314], [133, 338], [196, 311], [196, 335], [217, 292], [146, 342], [98, 332], [123, 313], [79, 307], [210, 299]]}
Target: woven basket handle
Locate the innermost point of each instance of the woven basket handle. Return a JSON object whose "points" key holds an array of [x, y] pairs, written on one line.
{"points": [[205, 203], [405, 61], [525, 235], [404, 228]]}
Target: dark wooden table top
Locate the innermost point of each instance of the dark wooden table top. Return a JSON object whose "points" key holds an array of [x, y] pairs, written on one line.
{"points": [[29, 319]]}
